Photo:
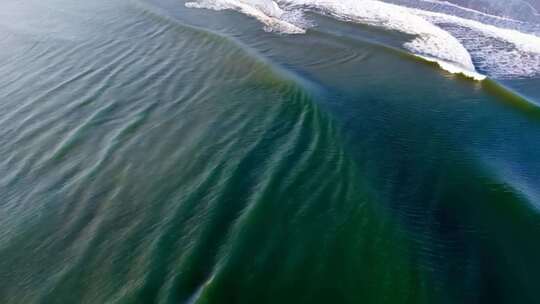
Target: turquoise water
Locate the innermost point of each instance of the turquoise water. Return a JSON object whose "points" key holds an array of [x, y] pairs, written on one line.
{"points": [[153, 153]]}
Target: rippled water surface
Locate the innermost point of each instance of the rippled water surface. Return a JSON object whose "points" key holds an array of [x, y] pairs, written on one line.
{"points": [[156, 153]]}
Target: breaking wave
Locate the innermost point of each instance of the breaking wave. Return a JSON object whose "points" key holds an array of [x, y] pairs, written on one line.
{"points": [[459, 45]]}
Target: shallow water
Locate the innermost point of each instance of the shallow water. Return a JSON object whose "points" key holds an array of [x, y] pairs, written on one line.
{"points": [[155, 153]]}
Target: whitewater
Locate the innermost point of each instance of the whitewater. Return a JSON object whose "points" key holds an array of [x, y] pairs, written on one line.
{"points": [[458, 45]]}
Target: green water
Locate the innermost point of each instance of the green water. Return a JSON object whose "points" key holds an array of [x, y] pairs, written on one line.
{"points": [[155, 154]]}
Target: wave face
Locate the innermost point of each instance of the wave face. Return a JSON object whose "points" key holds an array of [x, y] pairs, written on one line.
{"points": [[457, 44], [156, 153]]}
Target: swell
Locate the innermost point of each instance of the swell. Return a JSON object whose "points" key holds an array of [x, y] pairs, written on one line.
{"points": [[160, 15], [513, 98], [493, 85]]}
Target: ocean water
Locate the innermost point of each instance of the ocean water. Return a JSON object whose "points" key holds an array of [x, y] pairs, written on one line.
{"points": [[250, 151]]}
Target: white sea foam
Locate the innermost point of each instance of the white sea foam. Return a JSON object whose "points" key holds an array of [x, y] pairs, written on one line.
{"points": [[452, 68], [500, 52], [503, 53], [266, 11]]}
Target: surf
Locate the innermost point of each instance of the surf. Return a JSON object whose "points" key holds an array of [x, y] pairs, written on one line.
{"points": [[433, 40]]}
